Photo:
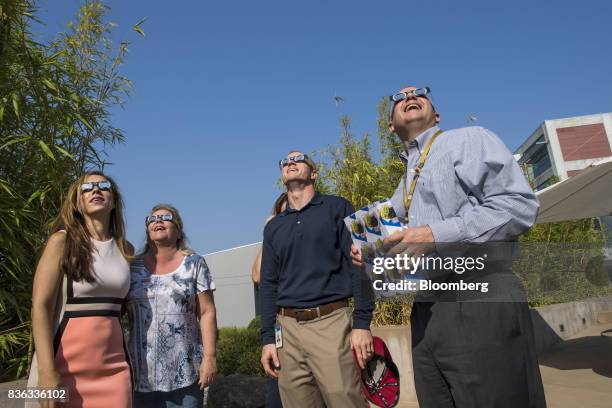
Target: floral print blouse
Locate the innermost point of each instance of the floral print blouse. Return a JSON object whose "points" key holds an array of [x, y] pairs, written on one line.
{"points": [[164, 340]]}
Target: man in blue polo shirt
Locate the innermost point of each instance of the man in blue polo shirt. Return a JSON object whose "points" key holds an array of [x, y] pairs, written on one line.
{"points": [[306, 281]]}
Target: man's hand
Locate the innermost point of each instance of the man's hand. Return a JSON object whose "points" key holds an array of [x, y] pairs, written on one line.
{"points": [[208, 369], [269, 360], [362, 343], [414, 241], [356, 257]]}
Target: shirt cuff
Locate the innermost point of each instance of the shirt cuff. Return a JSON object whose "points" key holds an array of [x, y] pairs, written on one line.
{"points": [[360, 323], [267, 339], [446, 232]]}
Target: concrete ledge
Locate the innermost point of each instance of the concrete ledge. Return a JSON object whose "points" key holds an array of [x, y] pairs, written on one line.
{"points": [[604, 317]]}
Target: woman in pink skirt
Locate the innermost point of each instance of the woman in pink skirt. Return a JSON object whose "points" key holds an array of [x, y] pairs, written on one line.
{"points": [[81, 281]]}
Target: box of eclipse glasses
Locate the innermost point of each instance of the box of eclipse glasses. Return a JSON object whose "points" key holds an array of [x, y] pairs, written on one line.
{"points": [[368, 227]]}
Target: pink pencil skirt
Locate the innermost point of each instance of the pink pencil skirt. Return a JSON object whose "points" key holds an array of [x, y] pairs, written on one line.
{"points": [[92, 363]]}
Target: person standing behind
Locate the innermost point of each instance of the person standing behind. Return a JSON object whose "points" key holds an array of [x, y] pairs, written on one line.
{"points": [[463, 186], [80, 283], [272, 397], [172, 317], [307, 277], [279, 205]]}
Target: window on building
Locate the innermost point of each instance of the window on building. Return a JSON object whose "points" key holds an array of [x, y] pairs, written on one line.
{"points": [[540, 161], [536, 158]]}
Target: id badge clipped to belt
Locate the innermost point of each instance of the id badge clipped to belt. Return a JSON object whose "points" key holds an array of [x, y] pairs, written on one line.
{"points": [[278, 335]]}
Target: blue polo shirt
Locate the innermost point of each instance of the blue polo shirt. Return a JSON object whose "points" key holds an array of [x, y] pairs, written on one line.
{"points": [[306, 263]]}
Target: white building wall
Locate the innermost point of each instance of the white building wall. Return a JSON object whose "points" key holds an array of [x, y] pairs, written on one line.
{"points": [[235, 295], [552, 125], [607, 122], [554, 149]]}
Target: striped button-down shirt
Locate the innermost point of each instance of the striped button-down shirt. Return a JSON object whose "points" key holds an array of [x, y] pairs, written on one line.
{"points": [[471, 190]]}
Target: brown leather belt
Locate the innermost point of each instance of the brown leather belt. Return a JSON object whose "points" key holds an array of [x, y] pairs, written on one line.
{"points": [[302, 315]]}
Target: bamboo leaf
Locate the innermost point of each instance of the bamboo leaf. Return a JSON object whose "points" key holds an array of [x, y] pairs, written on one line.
{"points": [[83, 121], [57, 54], [15, 105], [64, 152], [7, 189], [46, 149], [33, 197], [50, 85], [139, 30], [137, 27], [12, 142], [57, 98]]}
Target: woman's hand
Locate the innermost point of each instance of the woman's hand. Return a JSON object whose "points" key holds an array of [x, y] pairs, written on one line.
{"points": [[49, 379], [208, 370]]}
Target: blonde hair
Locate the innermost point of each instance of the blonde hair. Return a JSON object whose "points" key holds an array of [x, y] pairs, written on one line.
{"points": [[181, 242], [77, 261], [280, 203]]}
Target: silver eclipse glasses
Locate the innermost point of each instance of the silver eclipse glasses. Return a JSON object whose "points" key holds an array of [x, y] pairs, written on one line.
{"points": [[300, 158], [153, 218], [400, 96], [103, 185]]}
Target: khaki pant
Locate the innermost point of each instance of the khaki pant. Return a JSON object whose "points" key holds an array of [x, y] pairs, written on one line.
{"points": [[317, 364]]}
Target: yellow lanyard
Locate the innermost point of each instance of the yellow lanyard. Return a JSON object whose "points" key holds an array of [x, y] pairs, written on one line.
{"points": [[417, 171]]}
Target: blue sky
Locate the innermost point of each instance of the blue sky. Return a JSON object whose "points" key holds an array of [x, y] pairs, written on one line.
{"points": [[222, 90]]}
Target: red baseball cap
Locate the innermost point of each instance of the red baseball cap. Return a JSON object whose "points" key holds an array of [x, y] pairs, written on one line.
{"points": [[380, 377]]}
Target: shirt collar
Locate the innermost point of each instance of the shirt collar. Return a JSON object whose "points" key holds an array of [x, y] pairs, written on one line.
{"points": [[315, 200], [419, 141]]}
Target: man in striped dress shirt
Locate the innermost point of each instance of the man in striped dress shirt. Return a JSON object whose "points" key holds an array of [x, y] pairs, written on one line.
{"points": [[469, 349]]}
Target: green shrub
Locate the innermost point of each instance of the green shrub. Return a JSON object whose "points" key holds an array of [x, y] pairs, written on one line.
{"points": [[393, 311], [596, 272], [562, 262], [255, 324], [239, 350]]}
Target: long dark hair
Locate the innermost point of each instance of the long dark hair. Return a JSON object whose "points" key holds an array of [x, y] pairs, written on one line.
{"points": [[77, 261]]}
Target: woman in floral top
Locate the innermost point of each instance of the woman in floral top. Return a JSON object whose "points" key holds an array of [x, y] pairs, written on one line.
{"points": [[172, 315]]}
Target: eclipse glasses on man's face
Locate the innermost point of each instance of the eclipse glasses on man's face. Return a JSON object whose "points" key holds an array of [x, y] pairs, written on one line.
{"points": [[300, 158], [400, 96], [153, 218], [103, 185]]}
